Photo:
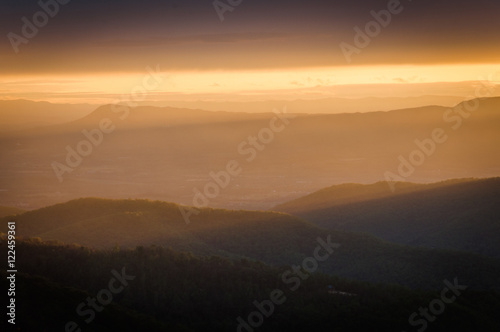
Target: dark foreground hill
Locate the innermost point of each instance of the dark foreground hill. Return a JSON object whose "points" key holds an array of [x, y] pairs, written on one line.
{"points": [[159, 289], [458, 214], [271, 237]]}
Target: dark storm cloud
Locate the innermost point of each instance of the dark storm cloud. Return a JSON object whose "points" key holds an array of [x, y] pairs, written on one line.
{"points": [[121, 35]]}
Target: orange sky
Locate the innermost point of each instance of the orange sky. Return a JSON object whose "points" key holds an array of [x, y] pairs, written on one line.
{"points": [[266, 84], [94, 52]]}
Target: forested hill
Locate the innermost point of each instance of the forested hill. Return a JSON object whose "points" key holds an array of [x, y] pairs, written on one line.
{"points": [[271, 237], [170, 291], [458, 214], [347, 193]]}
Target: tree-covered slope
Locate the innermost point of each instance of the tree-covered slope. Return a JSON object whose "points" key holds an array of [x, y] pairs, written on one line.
{"points": [[271, 237], [459, 214], [170, 291]]}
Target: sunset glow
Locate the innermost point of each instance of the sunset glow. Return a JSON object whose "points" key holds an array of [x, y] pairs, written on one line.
{"points": [[184, 85], [250, 165]]}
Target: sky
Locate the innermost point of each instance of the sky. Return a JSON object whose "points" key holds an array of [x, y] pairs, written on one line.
{"points": [[95, 50]]}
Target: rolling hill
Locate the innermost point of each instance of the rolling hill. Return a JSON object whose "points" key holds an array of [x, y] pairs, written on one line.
{"points": [[458, 214], [271, 237]]}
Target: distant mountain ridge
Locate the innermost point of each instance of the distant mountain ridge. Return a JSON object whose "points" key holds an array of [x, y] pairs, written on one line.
{"points": [[25, 114], [320, 106], [165, 153]]}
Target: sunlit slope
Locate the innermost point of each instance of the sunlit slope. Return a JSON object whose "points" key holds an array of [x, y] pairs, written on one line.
{"points": [[347, 193], [459, 214], [274, 238]]}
